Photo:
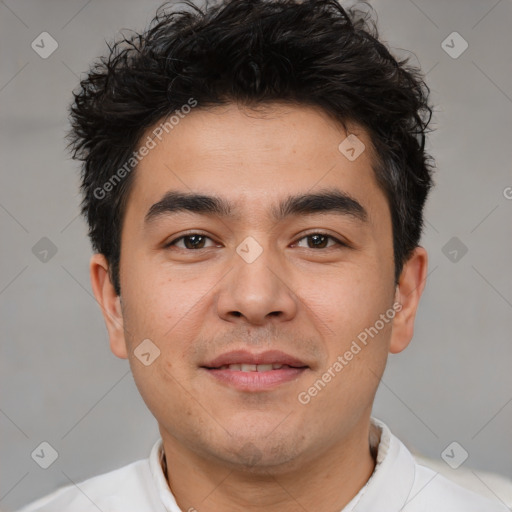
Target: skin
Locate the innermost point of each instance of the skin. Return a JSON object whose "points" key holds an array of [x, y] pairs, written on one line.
{"points": [[249, 451]]}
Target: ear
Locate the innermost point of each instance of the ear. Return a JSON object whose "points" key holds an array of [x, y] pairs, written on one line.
{"points": [[408, 292], [109, 302]]}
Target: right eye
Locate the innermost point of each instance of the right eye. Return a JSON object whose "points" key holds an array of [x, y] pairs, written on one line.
{"points": [[193, 241]]}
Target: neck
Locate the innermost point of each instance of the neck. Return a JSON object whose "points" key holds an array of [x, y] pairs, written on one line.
{"points": [[324, 483]]}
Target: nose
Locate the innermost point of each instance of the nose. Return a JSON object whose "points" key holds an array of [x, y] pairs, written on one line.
{"points": [[256, 292]]}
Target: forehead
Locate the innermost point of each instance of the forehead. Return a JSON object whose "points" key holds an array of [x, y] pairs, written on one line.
{"points": [[254, 158]]}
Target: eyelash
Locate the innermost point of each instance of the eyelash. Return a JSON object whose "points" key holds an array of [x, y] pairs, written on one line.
{"points": [[195, 233]]}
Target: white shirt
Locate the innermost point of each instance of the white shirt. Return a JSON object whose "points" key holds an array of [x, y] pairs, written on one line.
{"points": [[398, 484]]}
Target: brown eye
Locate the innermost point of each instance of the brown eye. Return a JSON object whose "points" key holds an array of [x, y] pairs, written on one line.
{"points": [[319, 241], [191, 242]]}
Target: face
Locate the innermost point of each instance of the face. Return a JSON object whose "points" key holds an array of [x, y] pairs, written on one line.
{"points": [[256, 296]]}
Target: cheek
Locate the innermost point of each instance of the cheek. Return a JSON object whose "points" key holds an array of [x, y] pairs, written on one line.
{"points": [[160, 390], [347, 309], [158, 299], [347, 300], [170, 311]]}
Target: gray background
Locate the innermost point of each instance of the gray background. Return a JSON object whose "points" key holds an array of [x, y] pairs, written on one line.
{"points": [[61, 384]]}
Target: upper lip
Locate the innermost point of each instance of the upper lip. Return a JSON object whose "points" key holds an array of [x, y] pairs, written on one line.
{"points": [[246, 357]]}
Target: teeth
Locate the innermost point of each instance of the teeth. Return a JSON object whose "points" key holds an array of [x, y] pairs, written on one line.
{"points": [[251, 367], [264, 367]]}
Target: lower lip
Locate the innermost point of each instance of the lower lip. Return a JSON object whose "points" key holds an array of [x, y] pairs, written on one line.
{"points": [[256, 381]]}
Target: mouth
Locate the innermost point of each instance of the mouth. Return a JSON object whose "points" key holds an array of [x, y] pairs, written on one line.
{"points": [[247, 367], [246, 371]]}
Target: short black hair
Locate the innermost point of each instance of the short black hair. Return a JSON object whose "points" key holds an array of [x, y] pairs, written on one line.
{"points": [[251, 52]]}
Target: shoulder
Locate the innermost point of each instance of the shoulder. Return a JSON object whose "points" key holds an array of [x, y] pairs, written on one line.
{"points": [[433, 491], [491, 485], [127, 487], [401, 482]]}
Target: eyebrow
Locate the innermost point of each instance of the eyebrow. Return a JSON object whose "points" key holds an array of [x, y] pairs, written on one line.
{"points": [[327, 201]]}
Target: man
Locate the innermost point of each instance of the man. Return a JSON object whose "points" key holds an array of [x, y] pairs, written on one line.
{"points": [[254, 179]]}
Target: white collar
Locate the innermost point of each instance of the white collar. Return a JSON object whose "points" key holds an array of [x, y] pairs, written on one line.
{"points": [[155, 465], [391, 482]]}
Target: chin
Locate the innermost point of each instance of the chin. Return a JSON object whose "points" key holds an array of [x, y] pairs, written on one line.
{"points": [[262, 454]]}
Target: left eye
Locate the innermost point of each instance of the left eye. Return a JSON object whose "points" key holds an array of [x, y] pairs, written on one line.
{"points": [[195, 241], [318, 241]]}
